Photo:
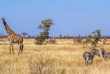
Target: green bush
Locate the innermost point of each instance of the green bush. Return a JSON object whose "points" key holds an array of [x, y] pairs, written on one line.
{"points": [[45, 25]]}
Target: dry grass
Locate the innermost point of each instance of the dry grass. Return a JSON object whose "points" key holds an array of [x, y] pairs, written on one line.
{"points": [[64, 57]]}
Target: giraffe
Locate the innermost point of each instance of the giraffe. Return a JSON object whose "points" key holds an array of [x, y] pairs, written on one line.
{"points": [[13, 38]]}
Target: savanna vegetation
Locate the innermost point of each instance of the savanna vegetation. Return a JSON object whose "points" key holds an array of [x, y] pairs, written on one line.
{"points": [[47, 55], [64, 57]]}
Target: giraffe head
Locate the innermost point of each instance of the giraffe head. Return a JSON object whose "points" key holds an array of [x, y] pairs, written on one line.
{"points": [[3, 19]]}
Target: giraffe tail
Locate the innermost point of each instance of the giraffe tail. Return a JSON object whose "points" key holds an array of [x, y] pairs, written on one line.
{"points": [[21, 47]]}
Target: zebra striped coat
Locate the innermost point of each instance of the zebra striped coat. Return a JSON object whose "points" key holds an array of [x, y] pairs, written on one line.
{"points": [[106, 55], [90, 55]]}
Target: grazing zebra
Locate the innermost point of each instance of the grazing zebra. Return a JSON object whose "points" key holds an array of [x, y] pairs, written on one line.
{"points": [[90, 55], [106, 55]]}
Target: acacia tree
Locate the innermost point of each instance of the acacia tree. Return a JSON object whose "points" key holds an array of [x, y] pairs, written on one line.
{"points": [[45, 26], [96, 37], [24, 34]]}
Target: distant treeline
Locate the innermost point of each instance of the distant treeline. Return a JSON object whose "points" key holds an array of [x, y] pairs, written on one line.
{"points": [[5, 36], [72, 37], [63, 37]]}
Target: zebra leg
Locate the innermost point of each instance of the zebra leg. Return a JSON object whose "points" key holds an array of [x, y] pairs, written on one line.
{"points": [[91, 60], [87, 61]]}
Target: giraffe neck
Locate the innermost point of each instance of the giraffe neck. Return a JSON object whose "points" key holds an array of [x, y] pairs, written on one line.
{"points": [[8, 30]]}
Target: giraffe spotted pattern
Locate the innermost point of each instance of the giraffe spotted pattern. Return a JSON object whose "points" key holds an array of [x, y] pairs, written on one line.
{"points": [[13, 38]]}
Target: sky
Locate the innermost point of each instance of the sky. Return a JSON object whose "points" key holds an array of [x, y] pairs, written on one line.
{"points": [[70, 17]]}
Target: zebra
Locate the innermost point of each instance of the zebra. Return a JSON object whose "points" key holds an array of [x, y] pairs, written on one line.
{"points": [[90, 55], [106, 55]]}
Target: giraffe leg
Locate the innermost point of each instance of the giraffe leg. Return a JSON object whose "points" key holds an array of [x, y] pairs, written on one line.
{"points": [[12, 49], [19, 52]]}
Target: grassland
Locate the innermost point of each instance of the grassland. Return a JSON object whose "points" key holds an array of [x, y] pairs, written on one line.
{"points": [[64, 57]]}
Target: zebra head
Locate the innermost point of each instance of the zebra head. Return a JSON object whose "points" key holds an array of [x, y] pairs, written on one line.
{"points": [[95, 52]]}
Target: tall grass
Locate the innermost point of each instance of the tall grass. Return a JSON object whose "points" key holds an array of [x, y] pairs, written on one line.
{"points": [[64, 57]]}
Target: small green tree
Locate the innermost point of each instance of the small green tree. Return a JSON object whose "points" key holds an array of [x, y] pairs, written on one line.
{"points": [[96, 37], [45, 25], [60, 36]]}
